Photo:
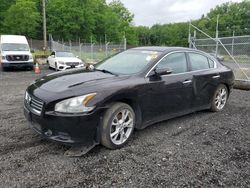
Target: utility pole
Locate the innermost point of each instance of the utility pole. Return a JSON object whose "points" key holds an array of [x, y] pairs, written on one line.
{"points": [[44, 26], [217, 35]]}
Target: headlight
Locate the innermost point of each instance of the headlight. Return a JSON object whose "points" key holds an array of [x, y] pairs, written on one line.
{"points": [[30, 57], [61, 62], [26, 96], [75, 105], [3, 58]]}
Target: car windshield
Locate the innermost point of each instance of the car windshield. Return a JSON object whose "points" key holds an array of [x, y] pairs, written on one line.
{"points": [[128, 62], [14, 47], [64, 54]]}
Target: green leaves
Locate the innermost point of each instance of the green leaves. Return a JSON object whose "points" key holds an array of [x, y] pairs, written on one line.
{"points": [[68, 20], [22, 18]]}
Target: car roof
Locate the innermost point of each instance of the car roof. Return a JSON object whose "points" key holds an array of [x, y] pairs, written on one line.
{"points": [[63, 51], [165, 49], [13, 39]]}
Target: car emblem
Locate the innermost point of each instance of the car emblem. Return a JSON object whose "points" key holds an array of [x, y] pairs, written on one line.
{"points": [[17, 57]]}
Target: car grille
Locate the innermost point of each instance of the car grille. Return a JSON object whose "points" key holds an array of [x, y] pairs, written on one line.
{"points": [[72, 63], [17, 57], [34, 104]]}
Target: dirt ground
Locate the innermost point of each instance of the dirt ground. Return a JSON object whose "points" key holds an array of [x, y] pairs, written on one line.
{"points": [[202, 149]]}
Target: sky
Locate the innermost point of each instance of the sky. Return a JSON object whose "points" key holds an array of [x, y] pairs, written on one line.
{"points": [[150, 12]]}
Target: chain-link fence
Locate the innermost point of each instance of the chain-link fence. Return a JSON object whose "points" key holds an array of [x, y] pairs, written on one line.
{"points": [[89, 52], [231, 51]]}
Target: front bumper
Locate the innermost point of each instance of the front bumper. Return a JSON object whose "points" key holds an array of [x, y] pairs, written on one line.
{"points": [[17, 65], [64, 67], [71, 130]]}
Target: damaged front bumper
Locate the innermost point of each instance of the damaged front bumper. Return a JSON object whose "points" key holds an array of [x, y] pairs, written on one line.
{"points": [[77, 131]]}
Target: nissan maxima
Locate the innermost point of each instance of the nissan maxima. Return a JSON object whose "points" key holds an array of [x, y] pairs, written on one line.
{"points": [[104, 103]]}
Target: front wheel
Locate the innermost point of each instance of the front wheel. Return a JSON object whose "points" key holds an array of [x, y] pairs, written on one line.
{"points": [[117, 126], [56, 68], [220, 98]]}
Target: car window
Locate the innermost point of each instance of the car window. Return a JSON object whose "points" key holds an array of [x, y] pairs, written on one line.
{"points": [[198, 62], [211, 63], [53, 53], [64, 54], [176, 62], [128, 62]]}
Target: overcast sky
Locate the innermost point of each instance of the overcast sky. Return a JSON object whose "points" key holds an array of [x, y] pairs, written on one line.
{"points": [[150, 12]]}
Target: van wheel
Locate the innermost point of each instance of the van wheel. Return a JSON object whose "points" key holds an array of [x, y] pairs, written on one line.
{"points": [[4, 69], [117, 125], [220, 98]]}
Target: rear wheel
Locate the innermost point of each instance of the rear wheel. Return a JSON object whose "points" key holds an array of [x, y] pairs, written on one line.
{"points": [[117, 126], [220, 98]]}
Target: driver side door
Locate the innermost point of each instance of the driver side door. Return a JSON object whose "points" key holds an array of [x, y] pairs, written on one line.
{"points": [[170, 95]]}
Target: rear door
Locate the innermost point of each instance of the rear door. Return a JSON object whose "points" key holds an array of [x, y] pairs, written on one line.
{"points": [[206, 78]]}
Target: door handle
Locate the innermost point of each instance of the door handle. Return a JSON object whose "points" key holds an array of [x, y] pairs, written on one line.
{"points": [[216, 76], [187, 82]]}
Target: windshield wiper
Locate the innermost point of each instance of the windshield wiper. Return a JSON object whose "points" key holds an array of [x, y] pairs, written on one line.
{"points": [[105, 71]]}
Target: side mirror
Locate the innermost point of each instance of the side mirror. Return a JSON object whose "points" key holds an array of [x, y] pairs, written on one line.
{"points": [[77, 56], [162, 71]]}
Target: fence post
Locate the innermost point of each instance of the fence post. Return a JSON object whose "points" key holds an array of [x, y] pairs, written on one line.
{"points": [[91, 48], [80, 49], [189, 35], [70, 45], [194, 37], [125, 43], [106, 49], [31, 46], [232, 50], [217, 36]]}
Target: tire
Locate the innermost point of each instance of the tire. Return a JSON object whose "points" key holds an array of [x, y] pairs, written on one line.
{"points": [[48, 64], [30, 68], [115, 131], [219, 99], [56, 66], [3, 69]]}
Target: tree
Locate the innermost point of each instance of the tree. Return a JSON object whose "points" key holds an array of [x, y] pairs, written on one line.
{"points": [[124, 20], [64, 19], [4, 6], [22, 18]]}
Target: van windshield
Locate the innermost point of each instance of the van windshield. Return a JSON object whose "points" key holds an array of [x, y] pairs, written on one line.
{"points": [[14, 47]]}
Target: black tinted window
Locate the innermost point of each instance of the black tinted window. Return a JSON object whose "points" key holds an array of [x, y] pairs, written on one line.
{"points": [[176, 62], [198, 62]]}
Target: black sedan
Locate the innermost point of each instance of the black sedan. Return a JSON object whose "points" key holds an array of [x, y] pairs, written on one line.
{"points": [[131, 90]]}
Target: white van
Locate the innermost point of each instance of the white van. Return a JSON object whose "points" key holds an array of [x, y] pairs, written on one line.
{"points": [[15, 52]]}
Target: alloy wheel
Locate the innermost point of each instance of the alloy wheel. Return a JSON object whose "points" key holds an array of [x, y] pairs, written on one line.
{"points": [[121, 126], [221, 98]]}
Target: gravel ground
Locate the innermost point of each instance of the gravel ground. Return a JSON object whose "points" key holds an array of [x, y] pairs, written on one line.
{"points": [[202, 149]]}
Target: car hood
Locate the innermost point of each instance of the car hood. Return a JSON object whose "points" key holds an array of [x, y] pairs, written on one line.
{"points": [[75, 81], [68, 59]]}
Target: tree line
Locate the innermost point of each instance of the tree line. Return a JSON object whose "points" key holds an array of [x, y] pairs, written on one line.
{"points": [[99, 21]]}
